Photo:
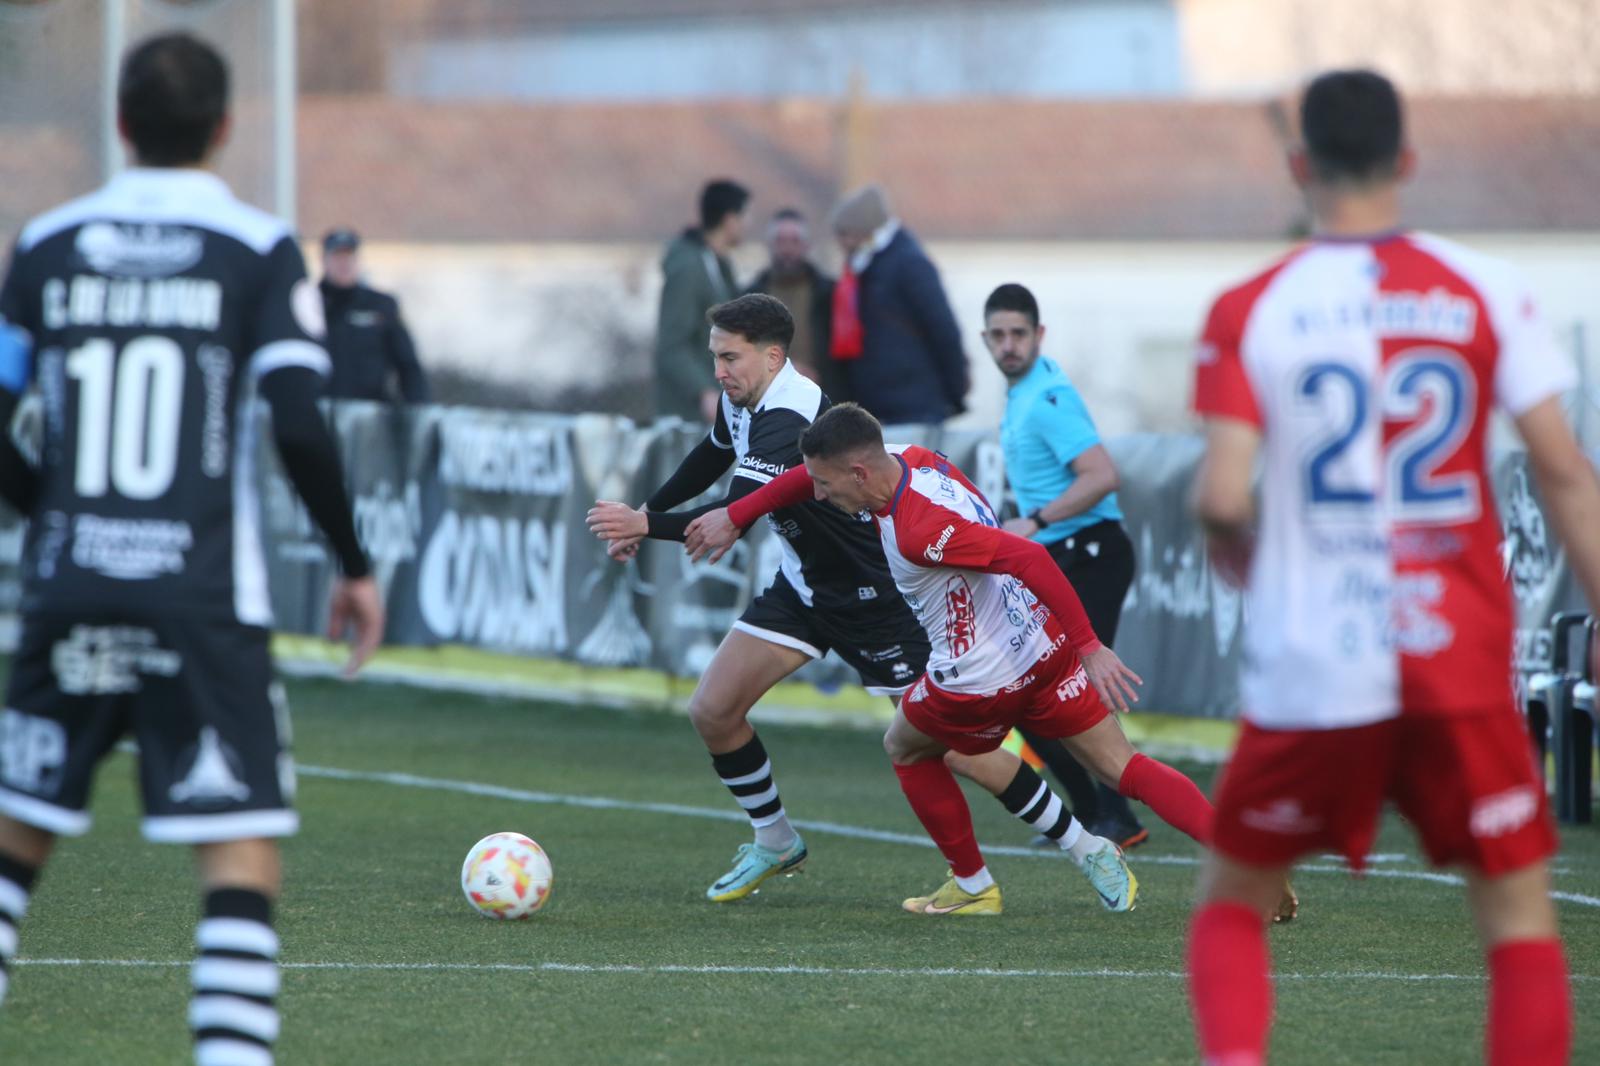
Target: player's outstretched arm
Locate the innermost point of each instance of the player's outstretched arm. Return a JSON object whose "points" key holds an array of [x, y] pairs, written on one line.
{"points": [[717, 530], [1570, 490], [1031, 563], [1223, 501]]}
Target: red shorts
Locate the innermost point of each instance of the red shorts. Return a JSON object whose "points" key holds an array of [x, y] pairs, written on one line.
{"points": [[1466, 782], [1053, 699]]}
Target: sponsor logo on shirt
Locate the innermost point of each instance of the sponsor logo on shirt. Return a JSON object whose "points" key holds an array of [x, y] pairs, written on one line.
{"points": [[145, 250], [1020, 683], [1504, 812], [960, 617], [866, 592], [935, 551], [750, 462]]}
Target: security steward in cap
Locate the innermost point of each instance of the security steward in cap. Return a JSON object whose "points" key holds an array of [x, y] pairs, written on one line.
{"points": [[367, 340]]}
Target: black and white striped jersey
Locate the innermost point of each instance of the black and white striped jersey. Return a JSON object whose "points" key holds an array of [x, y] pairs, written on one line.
{"points": [[154, 306], [832, 559]]}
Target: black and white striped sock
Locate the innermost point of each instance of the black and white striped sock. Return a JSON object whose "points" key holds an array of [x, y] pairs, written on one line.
{"points": [[16, 883], [1030, 799], [234, 1014], [748, 774]]}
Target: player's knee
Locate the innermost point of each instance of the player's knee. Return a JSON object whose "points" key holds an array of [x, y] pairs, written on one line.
{"points": [[25, 843]]}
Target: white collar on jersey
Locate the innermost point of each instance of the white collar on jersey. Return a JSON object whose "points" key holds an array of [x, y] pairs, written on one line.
{"points": [[776, 386], [167, 182]]}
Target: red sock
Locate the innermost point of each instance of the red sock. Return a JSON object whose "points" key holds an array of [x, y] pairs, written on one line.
{"points": [[1230, 984], [1530, 1004], [931, 789], [1175, 799]]}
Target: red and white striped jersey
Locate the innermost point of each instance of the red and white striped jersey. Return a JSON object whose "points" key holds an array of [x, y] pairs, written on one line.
{"points": [[1371, 368], [986, 630]]}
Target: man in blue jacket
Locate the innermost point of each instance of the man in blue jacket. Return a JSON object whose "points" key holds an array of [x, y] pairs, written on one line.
{"points": [[893, 326]]}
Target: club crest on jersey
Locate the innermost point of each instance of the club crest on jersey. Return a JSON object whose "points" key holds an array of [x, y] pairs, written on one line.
{"points": [[147, 250], [935, 551]]}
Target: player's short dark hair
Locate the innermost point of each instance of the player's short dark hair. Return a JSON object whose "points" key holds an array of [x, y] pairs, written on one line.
{"points": [[840, 430], [719, 199], [172, 95], [758, 318], [789, 214], [1352, 126], [1012, 297]]}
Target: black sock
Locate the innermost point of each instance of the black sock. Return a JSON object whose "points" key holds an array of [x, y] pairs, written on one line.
{"points": [[1030, 799]]}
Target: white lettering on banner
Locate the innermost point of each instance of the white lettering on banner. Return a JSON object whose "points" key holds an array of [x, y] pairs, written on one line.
{"points": [[498, 582], [1180, 583], [1529, 560], [389, 526], [534, 460]]}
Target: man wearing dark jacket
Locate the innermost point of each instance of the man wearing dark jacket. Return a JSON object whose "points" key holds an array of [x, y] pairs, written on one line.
{"points": [[696, 275], [807, 292], [897, 336], [367, 340]]}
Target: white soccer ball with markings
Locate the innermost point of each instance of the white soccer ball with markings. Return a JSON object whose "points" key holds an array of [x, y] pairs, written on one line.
{"points": [[506, 876]]}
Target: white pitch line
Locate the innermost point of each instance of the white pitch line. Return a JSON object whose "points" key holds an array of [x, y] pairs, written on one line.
{"points": [[854, 832], [774, 971]]}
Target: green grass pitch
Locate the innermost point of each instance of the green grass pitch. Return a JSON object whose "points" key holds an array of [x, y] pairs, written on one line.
{"points": [[385, 962]]}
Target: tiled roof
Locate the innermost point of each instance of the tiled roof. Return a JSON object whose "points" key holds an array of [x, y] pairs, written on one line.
{"points": [[978, 169]]}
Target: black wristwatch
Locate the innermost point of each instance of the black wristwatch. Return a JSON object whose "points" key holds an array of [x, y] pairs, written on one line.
{"points": [[1037, 518]]}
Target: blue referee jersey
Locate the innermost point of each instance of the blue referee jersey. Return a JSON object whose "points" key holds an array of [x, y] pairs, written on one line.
{"points": [[1045, 428]]}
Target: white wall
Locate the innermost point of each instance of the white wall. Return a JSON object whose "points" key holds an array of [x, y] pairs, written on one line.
{"points": [[1121, 316]]}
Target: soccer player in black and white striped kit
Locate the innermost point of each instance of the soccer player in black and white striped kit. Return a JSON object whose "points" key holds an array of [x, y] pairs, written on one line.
{"points": [[149, 316]]}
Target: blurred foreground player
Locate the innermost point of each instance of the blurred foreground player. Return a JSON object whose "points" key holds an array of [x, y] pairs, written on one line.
{"points": [[1011, 644], [832, 590], [149, 315], [1362, 369]]}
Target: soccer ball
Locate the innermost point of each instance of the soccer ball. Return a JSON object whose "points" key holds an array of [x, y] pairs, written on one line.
{"points": [[506, 875]]}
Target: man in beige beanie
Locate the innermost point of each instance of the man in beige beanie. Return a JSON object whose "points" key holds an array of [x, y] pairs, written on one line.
{"points": [[892, 324]]}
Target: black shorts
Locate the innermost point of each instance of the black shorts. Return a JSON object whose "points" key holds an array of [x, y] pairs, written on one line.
{"points": [[881, 640], [198, 696]]}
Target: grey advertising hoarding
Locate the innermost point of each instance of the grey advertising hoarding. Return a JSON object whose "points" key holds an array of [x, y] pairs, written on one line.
{"points": [[475, 523]]}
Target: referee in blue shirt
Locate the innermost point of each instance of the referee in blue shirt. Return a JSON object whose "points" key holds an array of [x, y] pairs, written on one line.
{"points": [[1066, 489]]}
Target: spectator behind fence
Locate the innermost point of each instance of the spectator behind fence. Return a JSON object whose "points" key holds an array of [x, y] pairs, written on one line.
{"points": [[696, 275], [367, 340], [892, 323], [807, 292]]}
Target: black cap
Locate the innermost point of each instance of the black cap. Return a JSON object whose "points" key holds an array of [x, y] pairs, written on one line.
{"points": [[343, 239]]}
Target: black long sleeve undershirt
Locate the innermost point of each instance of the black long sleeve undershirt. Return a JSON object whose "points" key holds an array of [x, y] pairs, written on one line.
{"points": [[674, 525], [311, 459], [19, 479], [699, 471]]}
